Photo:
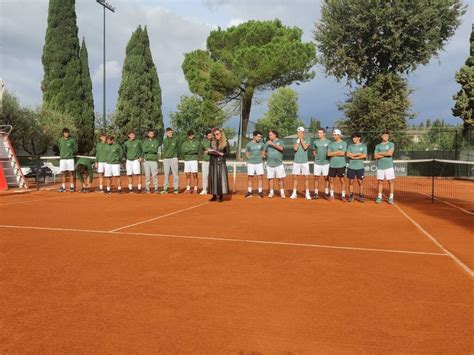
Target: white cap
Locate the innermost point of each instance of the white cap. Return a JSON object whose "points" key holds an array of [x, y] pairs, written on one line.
{"points": [[338, 132], [300, 129]]}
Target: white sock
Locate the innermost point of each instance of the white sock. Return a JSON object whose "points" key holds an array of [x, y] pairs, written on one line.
{"points": [[195, 188], [271, 191], [391, 195], [326, 191], [101, 187], [249, 189], [307, 192], [64, 186], [108, 188], [315, 191], [188, 188], [294, 191], [260, 189], [332, 192], [343, 193], [130, 187], [72, 186], [282, 192], [120, 188], [379, 195], [139, 186]]}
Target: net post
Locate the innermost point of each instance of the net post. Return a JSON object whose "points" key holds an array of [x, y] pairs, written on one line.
{"points": [[38, 168], [74, 173], [432, 181], [234, 175]]}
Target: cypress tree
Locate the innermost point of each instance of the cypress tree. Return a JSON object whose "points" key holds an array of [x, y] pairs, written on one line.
{"points": [[464, 105], [85, 122], [61, 85], [139, 101]]}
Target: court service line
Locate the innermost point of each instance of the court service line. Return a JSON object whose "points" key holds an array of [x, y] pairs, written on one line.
{"points": [[40, 199], [249, 241], [159, 217], [435, 241]]}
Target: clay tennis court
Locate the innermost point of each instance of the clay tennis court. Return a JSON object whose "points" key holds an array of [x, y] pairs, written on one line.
{"points": [[146, 273]]}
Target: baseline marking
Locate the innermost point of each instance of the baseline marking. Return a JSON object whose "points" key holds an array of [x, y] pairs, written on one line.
{"points": [[435, 241], [159, 217], [227, 240]]}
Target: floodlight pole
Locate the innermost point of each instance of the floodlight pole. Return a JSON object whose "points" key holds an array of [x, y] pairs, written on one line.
{"points": [[109, 7]]}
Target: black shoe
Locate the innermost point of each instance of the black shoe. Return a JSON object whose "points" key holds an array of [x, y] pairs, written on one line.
{"points": [[83, 190], [361, 198], [260, 194], [108, 192], [213, 199], [119, 191], [248, 194], [221, 199]]}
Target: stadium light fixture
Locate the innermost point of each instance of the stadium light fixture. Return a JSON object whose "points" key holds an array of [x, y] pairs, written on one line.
{"points": [[109, 7]]}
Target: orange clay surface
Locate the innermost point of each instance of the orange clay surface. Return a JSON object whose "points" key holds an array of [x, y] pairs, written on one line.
{"points": [[128, 273]]}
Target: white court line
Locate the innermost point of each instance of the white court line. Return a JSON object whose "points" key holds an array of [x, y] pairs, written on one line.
{"points": [[159, 217], [227, 240], [448, 203], [40, 199], [435, 241]]}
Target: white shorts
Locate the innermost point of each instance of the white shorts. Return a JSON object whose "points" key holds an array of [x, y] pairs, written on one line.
{"points": [[112, 170], [133, 167], [278, 172], [101, 167], [66, 164], [321, 170], [301, 169], [191, 166], [387, 174], [255, 169]]}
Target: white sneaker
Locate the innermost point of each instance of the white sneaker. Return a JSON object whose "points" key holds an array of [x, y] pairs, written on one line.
{"points": [[282, 196], [203, 192], [271, 195], [308, 196], [293, 196]]}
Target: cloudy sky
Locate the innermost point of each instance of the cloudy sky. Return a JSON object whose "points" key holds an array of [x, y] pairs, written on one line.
{"points": [[179, 26]]}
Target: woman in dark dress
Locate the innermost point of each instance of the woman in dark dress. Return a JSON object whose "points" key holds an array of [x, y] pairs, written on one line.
{"points": [[218, 180]]}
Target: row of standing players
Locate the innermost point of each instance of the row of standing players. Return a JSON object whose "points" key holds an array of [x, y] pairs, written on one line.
{"points": [[330, 163]]}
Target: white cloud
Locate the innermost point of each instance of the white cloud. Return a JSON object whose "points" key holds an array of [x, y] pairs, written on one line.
{"points": [[112, 71], [235, 22]]}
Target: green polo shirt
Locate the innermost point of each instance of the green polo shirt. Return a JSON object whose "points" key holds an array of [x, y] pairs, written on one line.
{"points": [[100, 152], [150, 149], [274, 156], [205, 144], [384, 163], [321, 147], [114, 154], [190, 149], [337, 162], [255, 152], [132, 149], [357, 164], [170, 148], [67, 147], [301, 155], [88, 164]]}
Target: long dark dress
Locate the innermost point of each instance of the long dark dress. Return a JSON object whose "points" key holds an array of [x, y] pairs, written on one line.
{"points": [[218, 179]]}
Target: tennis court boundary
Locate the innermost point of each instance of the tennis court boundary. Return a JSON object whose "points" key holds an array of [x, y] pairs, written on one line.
{"points": [[463, 266], [248, 241]]}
